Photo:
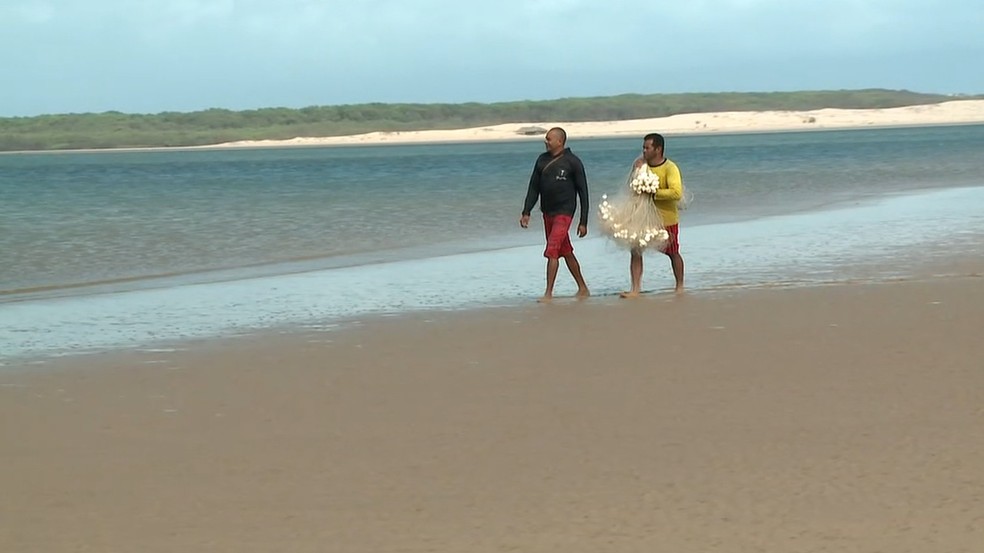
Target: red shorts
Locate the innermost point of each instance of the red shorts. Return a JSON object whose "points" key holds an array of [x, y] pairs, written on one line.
{"points": [[673, 244], [558, 228]]}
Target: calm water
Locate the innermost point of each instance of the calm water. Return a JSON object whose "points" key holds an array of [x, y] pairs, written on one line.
{"points": [[114, 248]]}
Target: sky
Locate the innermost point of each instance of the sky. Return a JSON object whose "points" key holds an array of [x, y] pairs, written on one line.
{"points": [[149, 56]]}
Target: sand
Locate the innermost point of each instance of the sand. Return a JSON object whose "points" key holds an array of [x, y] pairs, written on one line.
{"points": [[946, 113], [845, 418]]}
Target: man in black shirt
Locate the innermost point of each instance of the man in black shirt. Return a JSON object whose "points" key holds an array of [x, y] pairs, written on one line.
{"points": [[558, 182]]}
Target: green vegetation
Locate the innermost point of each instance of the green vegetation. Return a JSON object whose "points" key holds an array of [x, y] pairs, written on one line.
{"points": [[213, 126]]}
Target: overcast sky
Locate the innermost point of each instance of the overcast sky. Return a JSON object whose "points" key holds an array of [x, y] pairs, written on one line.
{"points": [[59, 56]]}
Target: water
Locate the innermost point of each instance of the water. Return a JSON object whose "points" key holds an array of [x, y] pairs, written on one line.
{"points": [[99, 250]]}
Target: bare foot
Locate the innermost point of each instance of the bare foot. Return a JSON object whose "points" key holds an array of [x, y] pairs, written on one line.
{"points": [[629, 294], [582, 293], [545, 299], [678, 290]]}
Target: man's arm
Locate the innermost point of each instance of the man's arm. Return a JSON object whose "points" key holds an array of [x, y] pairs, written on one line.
{"points": [[532, 195], [533, 192], [674, 183], [581, 185]]}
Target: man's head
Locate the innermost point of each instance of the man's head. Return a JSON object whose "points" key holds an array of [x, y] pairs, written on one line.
{"points": [[652, 148], [555, 140]]}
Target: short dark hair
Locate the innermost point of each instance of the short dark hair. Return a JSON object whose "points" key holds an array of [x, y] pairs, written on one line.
{"points": [[561, 132], [657, 140]]}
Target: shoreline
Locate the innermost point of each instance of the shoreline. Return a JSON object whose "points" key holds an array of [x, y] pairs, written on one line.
{"points": [[111, 320], [951, 113], [941, 271], [950, 268]]}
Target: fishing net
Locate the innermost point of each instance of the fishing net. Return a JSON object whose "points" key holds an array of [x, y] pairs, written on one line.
{"points": [[630, 218]]}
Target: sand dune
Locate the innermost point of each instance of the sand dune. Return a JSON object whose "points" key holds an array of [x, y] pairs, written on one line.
{"points": [[955, 112]]}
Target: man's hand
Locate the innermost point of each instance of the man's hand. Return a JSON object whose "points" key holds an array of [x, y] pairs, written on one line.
{"points": [[524, 221], [582, 231]]}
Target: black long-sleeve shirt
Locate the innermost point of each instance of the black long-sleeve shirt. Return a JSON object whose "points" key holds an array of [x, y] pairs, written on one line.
{"points": [[558, 182]]}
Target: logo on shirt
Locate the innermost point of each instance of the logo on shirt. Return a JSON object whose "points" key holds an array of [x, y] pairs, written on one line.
{"points": [[561, 175]]}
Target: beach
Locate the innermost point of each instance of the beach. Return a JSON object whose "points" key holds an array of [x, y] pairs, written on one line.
{"points": [[945, 113], [831, 418], [358, 384], [283, 277]]}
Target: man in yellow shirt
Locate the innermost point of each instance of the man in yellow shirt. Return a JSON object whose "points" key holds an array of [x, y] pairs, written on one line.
{"points": [[666, 198]]}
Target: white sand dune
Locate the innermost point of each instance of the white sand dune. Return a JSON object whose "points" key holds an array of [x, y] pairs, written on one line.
{"points": [[955, 112]]}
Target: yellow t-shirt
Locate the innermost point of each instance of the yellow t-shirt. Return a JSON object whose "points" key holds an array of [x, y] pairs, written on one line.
{"points": [[670, 191]]}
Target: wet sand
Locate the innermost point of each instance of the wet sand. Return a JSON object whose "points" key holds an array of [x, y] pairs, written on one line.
{"points": [[843, 418]]}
